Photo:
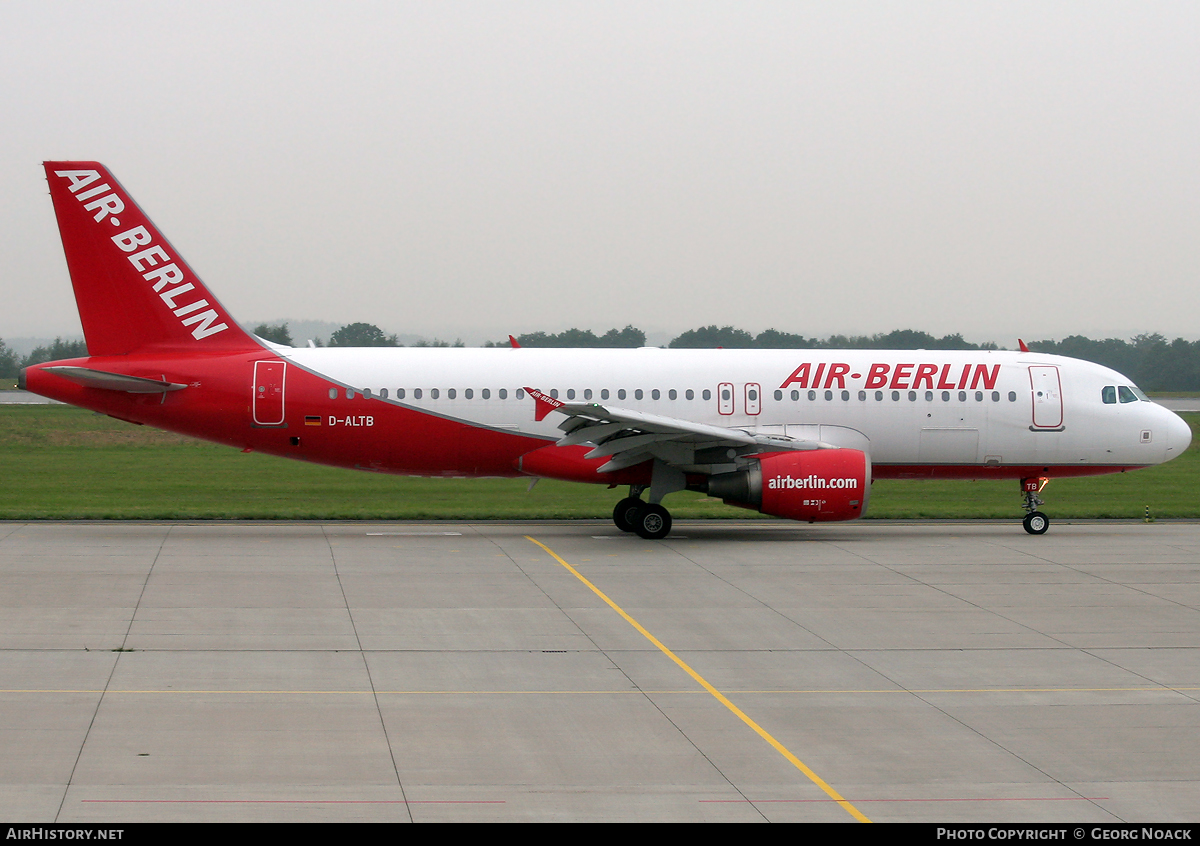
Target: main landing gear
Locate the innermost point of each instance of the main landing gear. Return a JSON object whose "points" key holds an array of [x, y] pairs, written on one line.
{"points": [[647, 519], [1035, 522]]}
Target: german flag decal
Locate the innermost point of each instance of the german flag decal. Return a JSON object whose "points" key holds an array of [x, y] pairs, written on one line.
{"points": [[312, 420]]}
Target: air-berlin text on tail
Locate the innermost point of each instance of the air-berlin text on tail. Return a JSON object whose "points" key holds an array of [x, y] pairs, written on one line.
{"points": [[164, 274], [913, 376]]}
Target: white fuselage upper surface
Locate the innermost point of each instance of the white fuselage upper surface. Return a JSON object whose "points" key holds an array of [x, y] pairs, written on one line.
{"points": [[923, 407]]}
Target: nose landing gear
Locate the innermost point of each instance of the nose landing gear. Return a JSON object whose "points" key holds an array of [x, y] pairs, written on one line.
{"points": [[1035, 522]]}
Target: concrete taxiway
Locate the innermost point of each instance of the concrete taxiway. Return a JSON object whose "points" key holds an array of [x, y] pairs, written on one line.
{"points": [[564, 671]]}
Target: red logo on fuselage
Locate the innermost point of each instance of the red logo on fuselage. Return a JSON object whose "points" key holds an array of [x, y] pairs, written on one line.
{"points": [[899, 376]]}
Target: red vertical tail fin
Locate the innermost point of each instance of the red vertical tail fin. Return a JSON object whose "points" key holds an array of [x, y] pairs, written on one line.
{"points": [[134, 291]]}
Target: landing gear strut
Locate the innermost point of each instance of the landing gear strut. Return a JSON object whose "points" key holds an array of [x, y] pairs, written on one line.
{"points": [[1035, 522], [648, 520]]}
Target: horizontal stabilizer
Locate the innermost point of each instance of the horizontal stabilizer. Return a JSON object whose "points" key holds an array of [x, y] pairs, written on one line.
{"points": [[113, 381]]}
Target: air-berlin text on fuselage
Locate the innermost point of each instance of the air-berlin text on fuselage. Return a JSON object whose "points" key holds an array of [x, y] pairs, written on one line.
{"points": [[165, 275], [942, 377]]}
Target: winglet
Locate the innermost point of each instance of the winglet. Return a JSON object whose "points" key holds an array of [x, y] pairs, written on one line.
{"points": [[544, 403], [1023, 347], [513, 343]]}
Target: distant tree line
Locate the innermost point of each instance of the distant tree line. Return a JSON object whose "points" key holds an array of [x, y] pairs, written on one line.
{"points": [[350, 335], [710, 337], [627, 338], [277, 334], [11, 363], [1150, 360]]}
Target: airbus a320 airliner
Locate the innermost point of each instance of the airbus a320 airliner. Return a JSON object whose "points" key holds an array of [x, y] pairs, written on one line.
{"points": [[799, 434]]}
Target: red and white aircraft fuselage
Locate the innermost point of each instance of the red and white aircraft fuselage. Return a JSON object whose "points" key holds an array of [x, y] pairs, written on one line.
{"points": [[795, 433]]}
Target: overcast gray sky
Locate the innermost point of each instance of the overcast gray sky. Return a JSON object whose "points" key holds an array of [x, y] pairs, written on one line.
{"points": [[470, 169]]}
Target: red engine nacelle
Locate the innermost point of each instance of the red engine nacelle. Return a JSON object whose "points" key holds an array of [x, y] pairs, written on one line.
{"points": [[819, 485]]}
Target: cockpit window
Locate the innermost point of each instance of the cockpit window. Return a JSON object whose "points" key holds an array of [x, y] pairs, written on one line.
{"points": [[1109, 394], [1127, 395], [1137, 392]]}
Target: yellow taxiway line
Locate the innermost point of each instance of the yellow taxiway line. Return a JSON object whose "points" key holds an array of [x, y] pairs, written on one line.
{"points": [[720, 697]]}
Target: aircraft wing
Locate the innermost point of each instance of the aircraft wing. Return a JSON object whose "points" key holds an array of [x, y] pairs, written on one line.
{"points": [[630, 437]]}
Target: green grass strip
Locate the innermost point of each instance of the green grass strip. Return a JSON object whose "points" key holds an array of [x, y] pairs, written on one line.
{"points": [[58, 462]]}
